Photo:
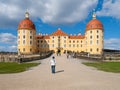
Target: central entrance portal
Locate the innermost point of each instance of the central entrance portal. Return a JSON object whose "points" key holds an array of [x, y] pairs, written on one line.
{"points": [[58, 52]]}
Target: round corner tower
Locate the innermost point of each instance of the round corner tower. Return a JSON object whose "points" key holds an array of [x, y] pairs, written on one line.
{"points": [[94, 36], [26, 36]]}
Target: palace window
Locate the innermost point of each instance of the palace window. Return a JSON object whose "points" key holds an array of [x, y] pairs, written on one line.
{"points": [[37, 45], [69, 45], [77, 45], [90, 50], [77, 41], [23, 31], [73, 41], [30, 42], [53, 37], [48, 41], [30, 37], [81, 45], [64, 45], [97, 42], [53, 41], [30, 49], [96, 25], [90, 31], [23, 41], [24, 25], [24, 49], [41, 41], [91, 26], [97, 31], [45, 45], [70, 41], [23, 36], [38, 41], [90, 42], [48, 46], [30, 32], [65, 37], [90, 37], [41, 45], [81, 41], [97, 49], [53, 45], [97, 36], [64, 41]]}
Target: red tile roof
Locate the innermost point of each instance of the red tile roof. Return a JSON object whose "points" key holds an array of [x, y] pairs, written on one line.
{"points": [[94, 24], [43, 37], [59, 33], [77, 37], [26, 24]]}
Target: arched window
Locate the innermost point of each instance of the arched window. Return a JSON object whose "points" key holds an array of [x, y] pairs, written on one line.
{"points": [[91, 50], [91, 42], [30, 42], [23, 36], [90, 31], [23, 49], [97, 42], [90, 37], [97, 31], [97, 36], [23, 41], [30, 49], [97, 49]]}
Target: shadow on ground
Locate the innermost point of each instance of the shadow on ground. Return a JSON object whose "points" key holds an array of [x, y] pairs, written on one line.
{"points": [[59, 71]]}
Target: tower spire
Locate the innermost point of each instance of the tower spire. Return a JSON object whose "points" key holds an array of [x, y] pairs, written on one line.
{"points": [[94, 14], [27, 14]]}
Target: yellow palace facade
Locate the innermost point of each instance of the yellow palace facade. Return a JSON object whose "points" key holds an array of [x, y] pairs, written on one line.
{"points": [[59, 41]]}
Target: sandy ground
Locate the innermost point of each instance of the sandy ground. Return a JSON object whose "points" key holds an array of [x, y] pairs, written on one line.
{"points": [[70, 75]]}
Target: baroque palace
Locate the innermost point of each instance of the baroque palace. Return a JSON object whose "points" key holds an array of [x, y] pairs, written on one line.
{"points": [[59, 41]]}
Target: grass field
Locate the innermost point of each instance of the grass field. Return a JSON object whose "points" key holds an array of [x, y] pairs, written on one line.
{"points": [[15, 67], [106, 66]]}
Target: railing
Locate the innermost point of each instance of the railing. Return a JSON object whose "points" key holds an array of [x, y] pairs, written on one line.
{"points": [[24, 58]]}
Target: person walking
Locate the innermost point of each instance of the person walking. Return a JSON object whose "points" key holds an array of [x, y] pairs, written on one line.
{"points": [[53, 64]]}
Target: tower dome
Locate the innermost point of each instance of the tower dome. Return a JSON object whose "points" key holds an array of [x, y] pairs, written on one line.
{"points": [[26, 23], [94, 23]]}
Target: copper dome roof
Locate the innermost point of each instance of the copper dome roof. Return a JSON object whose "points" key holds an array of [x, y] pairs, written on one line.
{"points": [[94, 24], [26, 24]]}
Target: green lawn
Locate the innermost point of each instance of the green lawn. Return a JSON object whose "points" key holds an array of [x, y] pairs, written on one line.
{"points": [[106, 66], [15, 67]]}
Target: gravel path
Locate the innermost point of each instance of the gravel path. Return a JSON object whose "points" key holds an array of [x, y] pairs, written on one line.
{"points": [[70, 75]]}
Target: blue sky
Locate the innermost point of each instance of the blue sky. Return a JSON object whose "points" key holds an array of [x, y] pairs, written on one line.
{"points": [[69, 15]]}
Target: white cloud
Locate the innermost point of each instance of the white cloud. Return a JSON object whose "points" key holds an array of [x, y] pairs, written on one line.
{"points": [[12, 48], [50, 11], [8, 42], [8, 38], [8, 48], [2, 48], [110, 8], [112, 43]]}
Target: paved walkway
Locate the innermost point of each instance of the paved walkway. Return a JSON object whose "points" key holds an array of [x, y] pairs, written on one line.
{"points": [[71, 75]]}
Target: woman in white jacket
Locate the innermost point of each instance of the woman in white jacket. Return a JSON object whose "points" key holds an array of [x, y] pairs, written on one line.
{"points": [[53, 64]]}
